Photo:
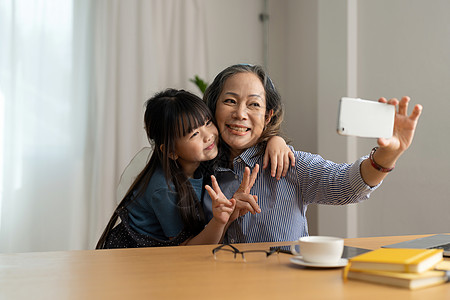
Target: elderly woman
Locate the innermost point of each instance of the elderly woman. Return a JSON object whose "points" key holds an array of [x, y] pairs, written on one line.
{"points": [[248, 111]]}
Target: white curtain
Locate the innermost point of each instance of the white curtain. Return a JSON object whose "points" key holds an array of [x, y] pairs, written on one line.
{"points": [[73, 80], [44, 99]]}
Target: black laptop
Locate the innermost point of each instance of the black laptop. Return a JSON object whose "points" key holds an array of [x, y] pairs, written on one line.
{"points": [[438, 241]]}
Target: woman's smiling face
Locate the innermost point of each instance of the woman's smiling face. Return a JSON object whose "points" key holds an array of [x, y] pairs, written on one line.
{"points": [[241, 112]]}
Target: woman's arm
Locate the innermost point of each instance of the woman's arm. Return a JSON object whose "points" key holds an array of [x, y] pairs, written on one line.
{"points": [[391, 149]]}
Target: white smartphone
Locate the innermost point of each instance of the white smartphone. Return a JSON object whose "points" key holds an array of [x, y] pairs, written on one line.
{"points": [[365, 118]]}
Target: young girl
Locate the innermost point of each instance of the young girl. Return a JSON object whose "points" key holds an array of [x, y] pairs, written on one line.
{"points": [[163, 206]]}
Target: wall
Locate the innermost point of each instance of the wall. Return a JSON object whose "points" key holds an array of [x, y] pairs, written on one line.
{"points": [[404, 49], [234, 33]]}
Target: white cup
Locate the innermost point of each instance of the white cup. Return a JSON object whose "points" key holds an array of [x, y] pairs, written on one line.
{"points": [[319, 249]]}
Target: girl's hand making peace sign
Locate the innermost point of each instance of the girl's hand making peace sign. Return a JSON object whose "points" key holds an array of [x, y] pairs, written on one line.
{"points": [[225, 210], [222, 208]]}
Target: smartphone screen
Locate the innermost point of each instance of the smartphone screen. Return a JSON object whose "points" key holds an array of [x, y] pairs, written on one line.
{"points": [[365, 118]]}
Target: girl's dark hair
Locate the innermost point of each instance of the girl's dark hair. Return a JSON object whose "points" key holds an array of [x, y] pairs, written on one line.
{"points": [[169, 115], [273, 100]]}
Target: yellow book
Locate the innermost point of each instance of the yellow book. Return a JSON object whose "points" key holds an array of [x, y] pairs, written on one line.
{"points": [[397, 260], [443, 265], [405, 280]]}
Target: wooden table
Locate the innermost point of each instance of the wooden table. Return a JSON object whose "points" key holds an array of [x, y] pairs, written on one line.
{"points": [[187, 272]]}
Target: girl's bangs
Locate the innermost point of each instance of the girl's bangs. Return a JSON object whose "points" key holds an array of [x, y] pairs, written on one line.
{"points": [[192, 117]]}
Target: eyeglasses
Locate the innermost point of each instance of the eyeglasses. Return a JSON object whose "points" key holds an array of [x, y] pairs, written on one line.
{"points": [[228, 252]]}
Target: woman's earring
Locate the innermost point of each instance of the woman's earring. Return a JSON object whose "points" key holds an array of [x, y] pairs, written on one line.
{"points": [[173, 156]]}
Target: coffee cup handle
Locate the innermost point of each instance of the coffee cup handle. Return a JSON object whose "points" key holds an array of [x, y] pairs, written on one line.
{"points": [[293, 251]]}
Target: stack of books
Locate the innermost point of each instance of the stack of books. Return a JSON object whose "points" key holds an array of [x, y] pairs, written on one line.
{"points": [[407, 268]]}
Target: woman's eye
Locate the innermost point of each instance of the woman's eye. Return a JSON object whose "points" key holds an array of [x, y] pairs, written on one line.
{"points": [[208, 122], [229, 101], [255, 104]]}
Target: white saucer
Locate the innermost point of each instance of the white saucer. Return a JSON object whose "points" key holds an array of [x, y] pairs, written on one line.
{"points": [[298, 260]]}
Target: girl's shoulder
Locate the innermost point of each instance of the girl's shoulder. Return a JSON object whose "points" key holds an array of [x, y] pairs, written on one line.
{"points": [[158, 176], [156, 190], [157, 182]]}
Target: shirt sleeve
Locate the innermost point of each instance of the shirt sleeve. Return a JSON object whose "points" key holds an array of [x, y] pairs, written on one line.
{"points": [[325, 182]]}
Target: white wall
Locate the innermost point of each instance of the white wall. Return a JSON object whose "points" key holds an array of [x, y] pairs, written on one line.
{"points": [[234, 33], [404, 48]]}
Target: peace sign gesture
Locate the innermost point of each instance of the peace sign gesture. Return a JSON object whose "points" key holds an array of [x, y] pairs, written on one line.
{"points": [[222, 208], [244, 201]]}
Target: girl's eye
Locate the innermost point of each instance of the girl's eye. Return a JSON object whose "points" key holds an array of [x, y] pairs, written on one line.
{"points": [[209, 122], [194, 134]]}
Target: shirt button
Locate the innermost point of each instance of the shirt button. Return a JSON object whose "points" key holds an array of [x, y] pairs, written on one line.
{"points": [[232, 241], [239, 160], [236, 177]]}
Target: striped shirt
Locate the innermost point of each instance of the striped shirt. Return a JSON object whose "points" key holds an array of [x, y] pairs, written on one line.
{"points": [[284, 202]]}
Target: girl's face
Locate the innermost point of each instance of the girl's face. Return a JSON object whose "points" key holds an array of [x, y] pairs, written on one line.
{"points": [[241, 112], [197, 146]]}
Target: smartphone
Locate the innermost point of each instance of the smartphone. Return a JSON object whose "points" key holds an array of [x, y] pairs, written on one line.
{"points": [[365, 118], [348, 252]]}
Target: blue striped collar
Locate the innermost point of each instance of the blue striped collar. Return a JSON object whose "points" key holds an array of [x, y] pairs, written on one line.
{"points": [[249, 157]]}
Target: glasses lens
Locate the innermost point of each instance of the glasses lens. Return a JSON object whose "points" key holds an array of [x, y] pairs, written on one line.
{"points": [[254, 256], [224, 255]]}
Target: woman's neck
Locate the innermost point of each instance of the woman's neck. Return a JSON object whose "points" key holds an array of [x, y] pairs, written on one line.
{"points": [[234, 154]]}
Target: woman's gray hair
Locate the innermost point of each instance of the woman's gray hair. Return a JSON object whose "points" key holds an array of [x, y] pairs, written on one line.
{"points": [[273, 98]]}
